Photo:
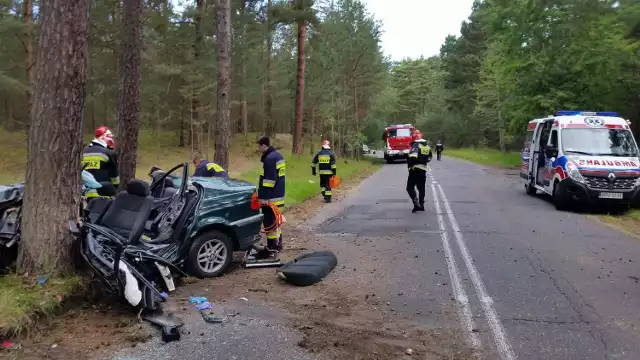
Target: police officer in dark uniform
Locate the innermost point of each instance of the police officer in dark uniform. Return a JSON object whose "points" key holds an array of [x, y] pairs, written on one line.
{"points": [[206, 168], [419, 156], [99, 159], [271, 190], [439, 148], [325, 160]]}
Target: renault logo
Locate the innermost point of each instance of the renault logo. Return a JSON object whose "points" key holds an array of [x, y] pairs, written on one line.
{"points": [[612, 177]]}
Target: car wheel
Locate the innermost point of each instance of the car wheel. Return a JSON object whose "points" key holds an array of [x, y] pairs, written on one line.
{"points": [[389, 161], [531, 189], [559, 198], [210, 254]]}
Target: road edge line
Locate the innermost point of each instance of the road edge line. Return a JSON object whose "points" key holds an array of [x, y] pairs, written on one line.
{"points": [[464, 310], [499, 334]]}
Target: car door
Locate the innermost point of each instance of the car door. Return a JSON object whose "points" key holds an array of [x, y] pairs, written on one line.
{"points": [[549, 161]]}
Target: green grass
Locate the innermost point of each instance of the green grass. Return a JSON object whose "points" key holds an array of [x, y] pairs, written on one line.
{"points": [[486, 156], [22, 300], [159, 149], [301, 184]]}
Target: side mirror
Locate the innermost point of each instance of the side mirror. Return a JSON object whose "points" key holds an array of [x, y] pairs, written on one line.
{"points": [[551, 152]]}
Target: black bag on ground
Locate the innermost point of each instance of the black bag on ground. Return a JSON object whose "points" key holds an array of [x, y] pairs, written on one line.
{"points": [[308, 269]]}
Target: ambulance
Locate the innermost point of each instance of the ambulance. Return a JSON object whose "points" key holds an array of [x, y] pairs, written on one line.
{"points": [[581, 156]]}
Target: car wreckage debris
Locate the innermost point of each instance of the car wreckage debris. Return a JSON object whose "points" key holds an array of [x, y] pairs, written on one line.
{"points": [[308, 269], [169, 325]]}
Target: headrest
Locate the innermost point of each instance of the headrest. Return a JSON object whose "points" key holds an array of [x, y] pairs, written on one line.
{"points": [[107, 189], [168, 182], [138, 187]]}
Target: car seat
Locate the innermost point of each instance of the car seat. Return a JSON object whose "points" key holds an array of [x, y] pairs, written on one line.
{"points": [[129, 211]]}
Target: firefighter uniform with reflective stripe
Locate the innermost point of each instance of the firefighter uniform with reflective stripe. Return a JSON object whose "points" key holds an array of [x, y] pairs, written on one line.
{"points": [[271, 189], [325, 161], [102, 163], [210, 169], [419, 156]]}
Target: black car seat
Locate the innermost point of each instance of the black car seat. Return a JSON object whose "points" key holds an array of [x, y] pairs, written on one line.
{"points": [[129, 211], [163, 191]]}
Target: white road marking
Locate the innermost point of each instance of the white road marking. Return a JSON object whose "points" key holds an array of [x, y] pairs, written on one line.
{"points": [[499, 334], [464, 311]]}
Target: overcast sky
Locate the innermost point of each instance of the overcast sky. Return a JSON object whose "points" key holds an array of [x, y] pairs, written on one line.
{"points": [[415, 27], [418, 27]]}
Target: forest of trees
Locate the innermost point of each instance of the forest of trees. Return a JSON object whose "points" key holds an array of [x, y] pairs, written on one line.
{"points": [[210, 69], [517, 60]]}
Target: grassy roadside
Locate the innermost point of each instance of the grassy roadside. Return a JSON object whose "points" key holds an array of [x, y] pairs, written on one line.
{"points": [[488, 157], [302, 185], [23, 299]]}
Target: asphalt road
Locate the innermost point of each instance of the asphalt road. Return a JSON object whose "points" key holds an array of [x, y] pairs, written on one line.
{"points": [[510, 275], [530, 282]]}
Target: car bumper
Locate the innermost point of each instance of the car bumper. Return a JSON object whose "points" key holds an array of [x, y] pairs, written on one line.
{"points": [[248, 231], [580, 191], [396, 154]]}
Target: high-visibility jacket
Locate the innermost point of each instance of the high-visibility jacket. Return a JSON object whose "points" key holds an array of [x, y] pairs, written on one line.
{"points": [[325, 160], [419, 156], [101, 162], [210, 169], [272, 177]]}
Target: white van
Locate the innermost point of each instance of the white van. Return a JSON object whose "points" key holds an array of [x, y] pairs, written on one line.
{"points": [[580, 155]]}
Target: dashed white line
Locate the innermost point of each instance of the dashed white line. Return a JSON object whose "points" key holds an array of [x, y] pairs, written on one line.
{"points": [[499, 334], [464, 310]]}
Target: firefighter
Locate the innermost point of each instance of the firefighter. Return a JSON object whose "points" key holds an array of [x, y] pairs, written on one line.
{"points": [[271, 191], [206, 168], [439, 148], [325, 160], [99, 159], [419, 155]]}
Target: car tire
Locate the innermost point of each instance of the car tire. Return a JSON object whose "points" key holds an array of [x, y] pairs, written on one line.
{"points": [[221, 247], [559, 198], [531, 189], [389, 161]]}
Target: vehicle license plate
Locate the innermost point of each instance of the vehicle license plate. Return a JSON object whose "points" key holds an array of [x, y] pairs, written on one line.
{"points": [[608, 195]]}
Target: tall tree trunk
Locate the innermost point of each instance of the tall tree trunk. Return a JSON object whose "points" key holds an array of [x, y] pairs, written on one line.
{"points": [[27, 18], [223, 110], [313, 128], [129, 91], [245, 56], [269, 123], [57, 117], [297, 135], [197, 118]]}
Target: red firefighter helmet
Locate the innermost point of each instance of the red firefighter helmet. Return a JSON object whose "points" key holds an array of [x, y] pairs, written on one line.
{"points": [[326, 144], [417, 135], [103, 133]]}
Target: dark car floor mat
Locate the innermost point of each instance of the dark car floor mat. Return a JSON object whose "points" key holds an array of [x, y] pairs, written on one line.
{"points": [[308, 269]]}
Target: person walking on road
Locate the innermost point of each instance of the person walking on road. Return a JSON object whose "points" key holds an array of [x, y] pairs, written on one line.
{"points": [[271, 191], [439, 148], [325, 161], [419, 156]]}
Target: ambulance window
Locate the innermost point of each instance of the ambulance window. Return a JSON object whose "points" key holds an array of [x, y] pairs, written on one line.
{"points": [[553, 140]]}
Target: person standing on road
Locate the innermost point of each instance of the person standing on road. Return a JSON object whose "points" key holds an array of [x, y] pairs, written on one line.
{"points": [[439, 148], [271, 191], [206, 168], [419, 156], [325, 160], [100, 160]]}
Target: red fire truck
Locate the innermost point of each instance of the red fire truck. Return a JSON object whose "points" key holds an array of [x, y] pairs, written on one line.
{"points": [[397, 141]]}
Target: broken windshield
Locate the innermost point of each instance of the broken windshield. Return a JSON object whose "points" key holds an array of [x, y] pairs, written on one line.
{"points": [[601, 141]]}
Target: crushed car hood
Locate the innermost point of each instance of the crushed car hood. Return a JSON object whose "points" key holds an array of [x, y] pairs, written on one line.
{"points": [[221, 193]]}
